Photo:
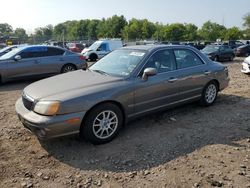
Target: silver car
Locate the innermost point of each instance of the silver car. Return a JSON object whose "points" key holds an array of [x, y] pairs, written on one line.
{"points": [[37, 61], [125, 84]]}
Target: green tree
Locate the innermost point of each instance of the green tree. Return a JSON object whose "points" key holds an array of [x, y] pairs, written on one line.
{"points": [[115, 25], [43, 34], [211, 31], [233, 34], [174, 32], [60, 31], [147, 29], [159, 32], [92, 29], [246, 24], [5, 29], [190, 32], [21, 34], [102, 29]]}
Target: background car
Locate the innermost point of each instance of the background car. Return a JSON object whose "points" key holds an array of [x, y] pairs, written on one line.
{"points": [[243, 51], [7, 49], [31, 61], [125, 84], [76, 47], [101, 48], [246, 65], [234, 43], [219, 52]]}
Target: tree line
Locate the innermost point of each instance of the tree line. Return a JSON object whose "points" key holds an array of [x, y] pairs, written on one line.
{"points": [[134, 29]]}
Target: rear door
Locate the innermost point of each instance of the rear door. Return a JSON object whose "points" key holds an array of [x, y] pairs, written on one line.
{"points": [[192, 73], [51, 60]]}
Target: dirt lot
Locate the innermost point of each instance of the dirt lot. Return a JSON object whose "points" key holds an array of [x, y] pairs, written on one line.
{"points": [[190, 146]]}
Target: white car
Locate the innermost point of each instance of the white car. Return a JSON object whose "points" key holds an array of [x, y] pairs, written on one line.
{"points": [[101, 48], [246, 66]]}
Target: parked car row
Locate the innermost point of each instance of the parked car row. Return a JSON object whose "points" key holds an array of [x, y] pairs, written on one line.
{"points": [[23, 62]]}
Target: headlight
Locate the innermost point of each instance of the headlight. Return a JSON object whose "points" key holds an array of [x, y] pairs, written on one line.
{"points": [[47, 107]]}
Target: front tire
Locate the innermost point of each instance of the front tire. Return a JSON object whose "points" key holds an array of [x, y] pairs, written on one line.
{"points": [[209, 94], [93, 57], [102, 124]]}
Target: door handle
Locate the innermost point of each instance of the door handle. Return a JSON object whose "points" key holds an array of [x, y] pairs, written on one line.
{"points": [[207, 72], [171, 80]]}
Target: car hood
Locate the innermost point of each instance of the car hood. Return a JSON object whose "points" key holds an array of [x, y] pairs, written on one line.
{"points": [[73, 82], [86, 50], [209, 52]]}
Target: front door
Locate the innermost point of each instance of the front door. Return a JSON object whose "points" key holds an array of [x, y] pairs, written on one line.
{"points": [[160, 90]]}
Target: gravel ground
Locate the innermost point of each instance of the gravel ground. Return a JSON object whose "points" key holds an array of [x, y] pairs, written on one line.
{"points": [[189, 146]]}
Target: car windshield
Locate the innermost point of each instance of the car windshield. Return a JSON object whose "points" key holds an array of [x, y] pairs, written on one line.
{"points": [[119, 62], [11, 53], [209, 49], [95, 45], [4, 49]]}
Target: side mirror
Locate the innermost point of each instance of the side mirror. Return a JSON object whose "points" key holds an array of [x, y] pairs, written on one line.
{"points": [[148, 72], [17, 57]]}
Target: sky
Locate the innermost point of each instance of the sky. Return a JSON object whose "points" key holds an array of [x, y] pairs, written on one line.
{"points": [[30, 14]]}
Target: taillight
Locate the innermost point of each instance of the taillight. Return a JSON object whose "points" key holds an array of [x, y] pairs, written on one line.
{"points": [[82, 57]]}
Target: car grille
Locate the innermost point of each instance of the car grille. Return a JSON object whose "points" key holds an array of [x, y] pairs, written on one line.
{"points": [[28, 103]]}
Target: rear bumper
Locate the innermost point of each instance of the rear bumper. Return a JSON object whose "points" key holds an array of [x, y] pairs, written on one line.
{"points": [[45, 127]]}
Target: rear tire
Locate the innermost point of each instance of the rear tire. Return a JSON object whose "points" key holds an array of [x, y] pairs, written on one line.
{"points": [[209, 94], [102, 124], [68, 68]]}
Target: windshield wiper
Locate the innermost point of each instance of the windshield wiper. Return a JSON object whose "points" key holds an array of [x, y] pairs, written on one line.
{"points": [[101, 72]]}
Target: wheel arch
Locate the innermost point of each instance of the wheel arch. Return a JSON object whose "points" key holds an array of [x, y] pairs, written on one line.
{"points": [[215, 81], [93, 54], [105, 102]]}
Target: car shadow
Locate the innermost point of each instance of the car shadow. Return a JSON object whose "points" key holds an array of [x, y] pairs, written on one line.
{"points": [[156, 139]]}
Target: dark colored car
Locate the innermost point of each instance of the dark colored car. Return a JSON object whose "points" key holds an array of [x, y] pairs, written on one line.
{"points": [[127, 83], [243, 51], [234, 44], [219, 52], [76, 47], [38, 61]]}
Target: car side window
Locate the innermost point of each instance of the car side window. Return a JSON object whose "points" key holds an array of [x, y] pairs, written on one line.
{"points": [[186, 58], [54, 51], [103, 47], [34, 52], [26, 54], [162, 60]]}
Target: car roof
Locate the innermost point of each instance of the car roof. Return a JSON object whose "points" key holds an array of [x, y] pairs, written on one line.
{"points": [[154, 47], [30, 46]]}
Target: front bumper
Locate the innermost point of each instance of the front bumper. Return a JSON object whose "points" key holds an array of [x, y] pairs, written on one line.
{"points": [[245, 68], [45, 127]]}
